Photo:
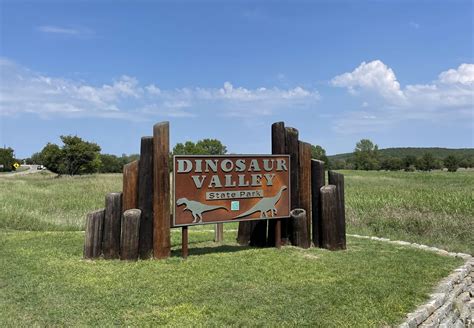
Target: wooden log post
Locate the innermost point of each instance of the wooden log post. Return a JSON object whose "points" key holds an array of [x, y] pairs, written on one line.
{"points": [[130, 186], [300, 237], [145, 197], [278, 148], [329, 231], [304, 186], [244, 232], [317, 181], [258, 236], [292, 148], [161, 191], [219, 233], [129, 236], [184, 242], [112, 225], [93, 235], [337, 179]]}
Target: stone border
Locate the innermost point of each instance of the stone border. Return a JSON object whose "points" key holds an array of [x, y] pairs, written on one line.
{"points": [[452, 303]]}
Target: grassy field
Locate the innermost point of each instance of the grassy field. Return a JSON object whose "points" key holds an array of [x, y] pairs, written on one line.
{"points": [[44, 282]]}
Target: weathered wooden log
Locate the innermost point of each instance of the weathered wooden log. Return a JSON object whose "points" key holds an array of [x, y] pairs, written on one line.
{"points": [[130, 186], [93, 235], [278, 148], [184, 242], [300, 237], [145, 197], [244, 232], [329, 231], [292, 148], [337, 179], [129, 236], [219, 232], [161, 191], [304, 186], [112, 225], [317, 181], [258, 236]]}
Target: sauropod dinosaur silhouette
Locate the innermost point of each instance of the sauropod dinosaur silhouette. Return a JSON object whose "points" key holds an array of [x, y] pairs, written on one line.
{"points": [[264, 205], [197, 208]]}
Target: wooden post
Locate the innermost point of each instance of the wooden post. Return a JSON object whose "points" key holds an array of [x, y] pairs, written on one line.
{"points": [[112, 225], [161, 191], [304, 186], [258, 236], [329, 216], [145, 197], [244, 232], [130, 186], [317, 181], [278, 148], [184, 242], [292, 148], [337, 179], [129, 236], [93, 235], [300, 236], [278, 233], [219, 233]]}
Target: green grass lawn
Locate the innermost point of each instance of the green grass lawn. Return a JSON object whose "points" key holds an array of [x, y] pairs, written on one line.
{"points": [[44, 282]]}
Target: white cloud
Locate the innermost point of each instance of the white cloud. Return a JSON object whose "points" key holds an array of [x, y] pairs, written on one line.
{"points": [[65, 31], [450, 97], [24, 91]]}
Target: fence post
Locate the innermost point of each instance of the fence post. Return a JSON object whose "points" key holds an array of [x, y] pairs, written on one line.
{"points": [[304, 190], [161, 191], [337, 179], [129, 235], [130, 186], [112, 225], [300, 235], [145, 197], [317, 181], [219, 232], [329, 216], [244, 232], [93, 235]]}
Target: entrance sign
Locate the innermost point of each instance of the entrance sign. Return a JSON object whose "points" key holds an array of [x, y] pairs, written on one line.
{"points": [[213, 189]]}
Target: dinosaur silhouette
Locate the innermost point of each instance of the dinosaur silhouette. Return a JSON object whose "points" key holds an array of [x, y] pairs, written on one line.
{"points": [[197, 208], [264, 205]]}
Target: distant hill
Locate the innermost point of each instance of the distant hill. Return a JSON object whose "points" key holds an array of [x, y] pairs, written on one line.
{"points": [[418, 152]]}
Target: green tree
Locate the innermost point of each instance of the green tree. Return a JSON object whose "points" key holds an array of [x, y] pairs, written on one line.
{"points": [[110, 164], [7, 159], [409, 162], [52, 158], [80, 157], [426, 162], [451, 162], [391, 164], [318, 152], [202, 147], [366, 155]]}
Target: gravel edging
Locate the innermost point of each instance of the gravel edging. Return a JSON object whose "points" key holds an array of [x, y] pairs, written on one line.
{"points": [[452, 303]]}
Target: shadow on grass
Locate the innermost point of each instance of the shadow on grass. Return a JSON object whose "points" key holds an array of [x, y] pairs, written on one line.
{"points": [[211, 249]]}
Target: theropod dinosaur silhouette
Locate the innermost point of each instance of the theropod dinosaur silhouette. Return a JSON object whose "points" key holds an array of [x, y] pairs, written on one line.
{"points": [[197, 208], [264, 205]]}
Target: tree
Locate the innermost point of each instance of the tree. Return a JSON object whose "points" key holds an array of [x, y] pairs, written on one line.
{"points": [[391, 164], [451, 162], [80, 157], [7, 159], [409, 162], [202, 147], [366, 155], [318, 152], [52, 158], [426, 162], [110, 164]]}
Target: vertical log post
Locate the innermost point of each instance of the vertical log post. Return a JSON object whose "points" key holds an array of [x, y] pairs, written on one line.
{"points": [[244, 232], [329, 217], [129, 235], [304, 186], [161, 191], [258, 236], [292, 148], [130, 186], [278, 148], [337, 179], [93, 236], [112, 225], [300, 236], [145, 197], [317, 181], [184, 242], [219, 233]]}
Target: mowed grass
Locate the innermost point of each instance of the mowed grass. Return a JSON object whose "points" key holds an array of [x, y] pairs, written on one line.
{"points": [[434, 208], [44, 282]]}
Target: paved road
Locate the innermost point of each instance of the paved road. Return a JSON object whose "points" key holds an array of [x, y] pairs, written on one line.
{"points": [[32, 169]]}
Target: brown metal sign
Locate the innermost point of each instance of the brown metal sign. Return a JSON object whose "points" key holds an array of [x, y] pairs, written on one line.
{"points": [[227, 188]]}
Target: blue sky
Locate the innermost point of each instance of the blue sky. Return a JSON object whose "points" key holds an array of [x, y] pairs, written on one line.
{"points": [[398, 72]]}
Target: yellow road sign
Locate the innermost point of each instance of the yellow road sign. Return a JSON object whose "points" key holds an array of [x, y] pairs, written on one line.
{"points": [[16, 165]]}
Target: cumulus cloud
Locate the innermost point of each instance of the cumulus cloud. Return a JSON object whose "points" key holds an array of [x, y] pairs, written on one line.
{"points": [[24, 91], [450, 96]]}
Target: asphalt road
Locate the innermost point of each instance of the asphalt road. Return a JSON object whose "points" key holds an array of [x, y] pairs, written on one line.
{"points": [[32, 169]]}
